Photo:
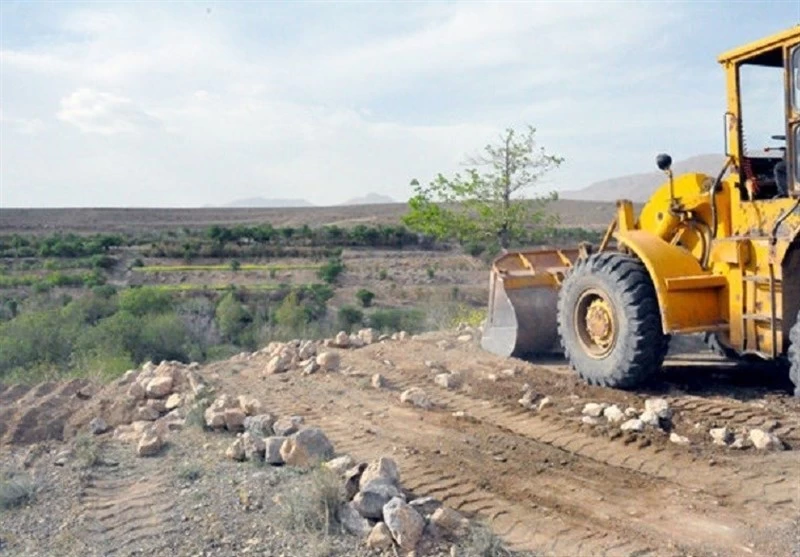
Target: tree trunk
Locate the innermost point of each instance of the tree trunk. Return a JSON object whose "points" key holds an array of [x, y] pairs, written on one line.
{"points": [[504, 232]]}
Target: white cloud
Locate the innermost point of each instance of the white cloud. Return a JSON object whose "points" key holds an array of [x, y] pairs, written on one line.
{"points": [[171, 105], [104, 113]]}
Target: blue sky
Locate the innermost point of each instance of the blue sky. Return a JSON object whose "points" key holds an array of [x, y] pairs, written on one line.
{"points": [[194, 103]]}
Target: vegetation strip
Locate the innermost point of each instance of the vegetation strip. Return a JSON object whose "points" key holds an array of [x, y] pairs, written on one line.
{"points": [[243, 267]]}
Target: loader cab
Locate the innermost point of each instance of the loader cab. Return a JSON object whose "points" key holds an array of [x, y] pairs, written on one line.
{"points": [[763, 116]]}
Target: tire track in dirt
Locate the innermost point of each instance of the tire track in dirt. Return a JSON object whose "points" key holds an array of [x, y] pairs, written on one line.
{"points": [[33, 414], [544, 518], [770, 489], [123, 513]]}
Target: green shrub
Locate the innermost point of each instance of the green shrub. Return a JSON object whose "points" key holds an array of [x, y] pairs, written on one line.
{"points": [[16, 491], [145, 299], [431, 272], [101, 261], [387, 320], [235, 265], [383, 275], [137, 263], [365, 297], [232, 317], [349, 317], [331, 270]]}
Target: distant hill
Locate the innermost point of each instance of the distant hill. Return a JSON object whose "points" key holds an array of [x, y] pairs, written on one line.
{"points": [[370, 199], [264, 202], [638, 187]]}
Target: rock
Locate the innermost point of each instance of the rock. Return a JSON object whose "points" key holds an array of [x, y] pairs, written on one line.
{"points": [[307, 350], [631, 412], [250, 405], [272, 450], [464, 338], [633, 425], [590, 420], [159, 387], [378, 381], [63, 457], [721, 435], [353, 522], [405, 524], [384, 469], [158, 404], [136, 391], [352, 479], [340, 465], [277, 364], [306, 448], [311, 368], [147, 414], [416, 397], [254, 446], [425, 505], [380, 537], [448, 380], [511, 372], [369, 502], [328, 361], [355, 342], [764, 440], [648, 417], [236, 451], [369, 336], [739, 442], [234, 419], [175, 400], [659, 407], [444, 345], [433, 365], [260, 425], [150, 443], [98, 426], [544, 403], [450, 521], [287, 426], [594, 409], [403, 335], [341, 340], [215, 413], [613, 414], [529, 399], [679, 439]]}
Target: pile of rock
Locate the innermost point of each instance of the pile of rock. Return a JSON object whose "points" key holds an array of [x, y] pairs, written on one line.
{"points": [[656, 414], [761, 439], [381, 512], [156, 394]]}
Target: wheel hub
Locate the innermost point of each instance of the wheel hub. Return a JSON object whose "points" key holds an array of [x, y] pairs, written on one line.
{"points": [[595, 323]]}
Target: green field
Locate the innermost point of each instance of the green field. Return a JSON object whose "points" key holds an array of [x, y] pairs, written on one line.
{"points": [[244, 267]]}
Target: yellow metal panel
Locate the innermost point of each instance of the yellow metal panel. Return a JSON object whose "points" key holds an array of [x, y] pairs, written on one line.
{"points": [[789, 36], [694, 283], [681, 309]]}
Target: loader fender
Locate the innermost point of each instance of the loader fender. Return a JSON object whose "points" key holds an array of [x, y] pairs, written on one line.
{"points": [[688, 296]]}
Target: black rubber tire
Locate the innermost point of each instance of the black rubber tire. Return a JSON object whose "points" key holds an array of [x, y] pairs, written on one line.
{"points": [[641, 344], [794, 356]]}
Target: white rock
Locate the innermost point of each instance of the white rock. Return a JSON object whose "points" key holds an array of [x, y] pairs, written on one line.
{"points": [[353, 522], [380, 537], [721, 435], [254, 446], [679, 439], [425, 506], [250, 405], [147, 414], [307, 350], [260, 425], [650, 418], [287, 425], [369, 502], [234, 419], [405, 524], [307, 447], [136, 391], [590, 420], [236, 451], [511, 372], [416, 397], [613, 414], [633, 425], [369, 336], [764, 440], [328, 361], [378, 381], [384, 469], [159, 387], [340, 464], [277, 364], [98, 426], [403, 335], [150, 444], [659, 407], [464, 338], [448, 380], [444, 345], [272, 450], [450, 521], [529, 399], [631, 412], [342, 340], [175, 400], [544, 403], [594, 409]]}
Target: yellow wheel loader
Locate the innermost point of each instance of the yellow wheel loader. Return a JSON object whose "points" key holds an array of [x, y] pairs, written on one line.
{"points": [[717, 255]]}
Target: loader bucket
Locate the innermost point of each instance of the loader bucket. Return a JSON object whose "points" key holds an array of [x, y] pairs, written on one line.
{"points": [[523, 293]]}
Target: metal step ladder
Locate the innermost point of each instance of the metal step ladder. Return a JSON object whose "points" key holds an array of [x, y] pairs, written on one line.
{"points": [[772, 318]]}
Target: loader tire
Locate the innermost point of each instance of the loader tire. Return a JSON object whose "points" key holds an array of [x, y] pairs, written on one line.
{"points": [[794, 356], [611, 290]]}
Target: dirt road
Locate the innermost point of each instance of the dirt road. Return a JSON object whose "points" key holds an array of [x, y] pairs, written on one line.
{"points": [[546, 481]]}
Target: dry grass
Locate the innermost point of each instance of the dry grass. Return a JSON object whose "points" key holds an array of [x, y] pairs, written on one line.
{"points": [[313, 506], [482, 542], [16, 492]]}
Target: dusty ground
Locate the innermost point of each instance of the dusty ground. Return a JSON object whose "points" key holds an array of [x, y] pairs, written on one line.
{"points": [[543, 480], [573, 213]]}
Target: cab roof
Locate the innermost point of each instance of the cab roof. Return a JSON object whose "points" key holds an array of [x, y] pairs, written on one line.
{"points": [[765, 52]]}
